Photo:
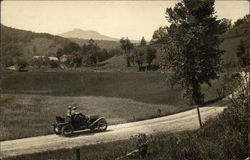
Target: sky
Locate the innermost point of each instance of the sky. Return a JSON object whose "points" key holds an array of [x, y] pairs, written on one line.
{"points": [[132, 19]]}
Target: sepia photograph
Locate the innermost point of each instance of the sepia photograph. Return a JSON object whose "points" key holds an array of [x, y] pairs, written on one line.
{"points": [[124, 80]]}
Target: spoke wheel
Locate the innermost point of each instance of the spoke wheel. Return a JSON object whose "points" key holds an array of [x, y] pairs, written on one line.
{"points": [[56, 130]]}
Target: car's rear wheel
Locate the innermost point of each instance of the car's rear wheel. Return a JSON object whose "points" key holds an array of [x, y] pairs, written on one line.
{"points": [[67, 130], [102, 125], [57, 130]]}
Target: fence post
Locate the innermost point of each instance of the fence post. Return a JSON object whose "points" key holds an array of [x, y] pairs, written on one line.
{"points": [[199, 115], [78, 154]]}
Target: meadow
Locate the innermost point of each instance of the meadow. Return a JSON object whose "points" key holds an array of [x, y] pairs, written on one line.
{"points": [[148, 87], [30, 101]]}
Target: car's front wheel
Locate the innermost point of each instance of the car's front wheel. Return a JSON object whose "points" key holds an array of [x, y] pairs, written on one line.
{"points": [[67, 130], [56, 129]]}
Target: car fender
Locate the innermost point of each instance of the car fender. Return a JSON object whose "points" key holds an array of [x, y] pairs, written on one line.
{"points": [[96, 121]]}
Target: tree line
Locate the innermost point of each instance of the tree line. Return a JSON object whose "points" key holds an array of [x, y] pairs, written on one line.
{"points": [[88, 54], [138, 54]]}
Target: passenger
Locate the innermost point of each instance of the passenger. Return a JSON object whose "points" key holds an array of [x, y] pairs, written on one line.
{"points": [[69, 112], [74, 112]]}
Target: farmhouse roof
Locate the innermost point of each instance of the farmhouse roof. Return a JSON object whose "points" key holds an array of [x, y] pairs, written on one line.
{"points": [[53, 58]]}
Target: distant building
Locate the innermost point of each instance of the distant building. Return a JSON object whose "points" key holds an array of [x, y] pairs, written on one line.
{"points": [[53, 59], [37, 57], [42, 58], [13, 68]]}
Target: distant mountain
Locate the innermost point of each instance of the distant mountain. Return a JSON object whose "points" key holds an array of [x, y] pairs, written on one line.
{"points": [[86, 34]]}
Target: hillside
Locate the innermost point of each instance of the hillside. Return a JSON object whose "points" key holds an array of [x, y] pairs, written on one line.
{"points": [[231, 42], [86, 34], [19, 43]]}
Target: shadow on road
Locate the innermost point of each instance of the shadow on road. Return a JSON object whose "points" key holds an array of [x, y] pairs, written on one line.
{"points": [[85, 133]]}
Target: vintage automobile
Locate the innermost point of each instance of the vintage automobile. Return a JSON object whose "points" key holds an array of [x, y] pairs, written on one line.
{"points": [[66, 126]]}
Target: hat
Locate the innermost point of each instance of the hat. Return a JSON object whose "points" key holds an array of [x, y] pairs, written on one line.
{"points": [[74, 108], [69, 107]]}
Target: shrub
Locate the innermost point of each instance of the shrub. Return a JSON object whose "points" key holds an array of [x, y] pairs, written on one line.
{"points": [[53, 64], [21, 63]]}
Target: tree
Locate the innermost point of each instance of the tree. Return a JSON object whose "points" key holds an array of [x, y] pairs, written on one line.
{"points": [[243, 54], [94, 53], [244, 20], [150, 55], [227, 23], [77, 59], [21, 64], [70, 48], [37, 62], [127, 46], [159, 36], [191, 46], [139, 56], [144, 54], [59, 53], [143, 42]]}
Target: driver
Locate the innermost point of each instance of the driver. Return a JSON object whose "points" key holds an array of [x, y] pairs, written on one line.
{"points": [[73, 112]]}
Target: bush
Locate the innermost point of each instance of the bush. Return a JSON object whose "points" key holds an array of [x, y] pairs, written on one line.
{"points": [[22, 64], [53, 64]]}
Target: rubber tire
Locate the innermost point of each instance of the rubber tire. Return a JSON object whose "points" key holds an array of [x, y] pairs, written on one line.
{"points": [[67, 128], [100, 125], [55, 131]]}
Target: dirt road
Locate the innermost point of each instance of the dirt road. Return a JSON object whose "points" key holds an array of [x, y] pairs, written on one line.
{"points": [[182, 121]]}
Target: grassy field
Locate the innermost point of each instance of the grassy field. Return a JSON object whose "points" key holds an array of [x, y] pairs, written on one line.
{"points": [[33, 115], [150, 87], [30, 101]]}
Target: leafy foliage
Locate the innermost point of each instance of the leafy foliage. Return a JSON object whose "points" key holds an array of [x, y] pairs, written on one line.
{"points": [[127, 46], [191, 45], [143, 54], [243, 53], [244, 20], [21, 63], [143, 42]]}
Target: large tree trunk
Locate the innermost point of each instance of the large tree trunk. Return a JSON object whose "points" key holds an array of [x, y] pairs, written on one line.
{"points": [[197, 96]]}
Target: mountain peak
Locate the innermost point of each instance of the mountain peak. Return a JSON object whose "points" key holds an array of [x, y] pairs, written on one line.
{"points": [[86, 34]]}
